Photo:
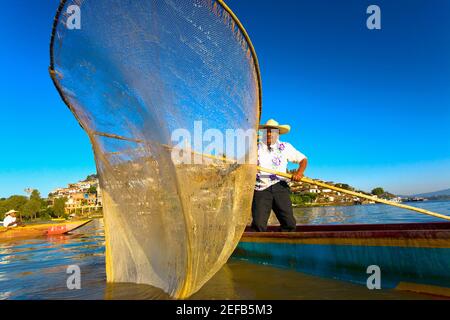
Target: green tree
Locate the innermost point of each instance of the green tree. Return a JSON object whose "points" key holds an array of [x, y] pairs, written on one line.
{"points": [[378, 191], [46, 214], [92, 190], [14, 202], [304, 198], [344, 186], [91, 177], [312, 197], [31, 208], [58, 206], [296, 199], [36, 195]]}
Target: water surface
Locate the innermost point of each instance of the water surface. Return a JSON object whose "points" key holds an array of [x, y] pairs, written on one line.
{"points": [[36, 268], [372, 213]]}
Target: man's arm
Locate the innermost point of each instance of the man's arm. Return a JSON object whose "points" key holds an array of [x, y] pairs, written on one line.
{"points": [[296, 156], [298, 175]]}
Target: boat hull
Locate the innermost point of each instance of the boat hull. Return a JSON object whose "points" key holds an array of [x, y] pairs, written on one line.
{"points": [[410, 256], [49, 229]]}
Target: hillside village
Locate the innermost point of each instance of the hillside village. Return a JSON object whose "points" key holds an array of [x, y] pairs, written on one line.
{"points": [[80, 197], [312, 195], [84, 198], [86, 195]]}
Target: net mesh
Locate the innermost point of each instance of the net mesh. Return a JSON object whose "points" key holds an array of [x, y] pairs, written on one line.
{"points": [[132, 74]]}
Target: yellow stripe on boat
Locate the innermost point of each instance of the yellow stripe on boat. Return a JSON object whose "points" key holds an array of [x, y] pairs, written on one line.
{"points": [[383, 242], [423, 288]]}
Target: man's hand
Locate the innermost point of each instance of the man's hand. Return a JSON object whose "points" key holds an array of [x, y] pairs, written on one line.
{"points": [[297, 176]]}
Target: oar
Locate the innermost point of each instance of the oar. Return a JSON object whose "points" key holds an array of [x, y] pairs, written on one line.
{"points": [[289, 176], [357, 194]]}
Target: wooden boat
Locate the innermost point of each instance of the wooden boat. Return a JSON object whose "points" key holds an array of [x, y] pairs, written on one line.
{"points": [[37, 230], [412, 257]]}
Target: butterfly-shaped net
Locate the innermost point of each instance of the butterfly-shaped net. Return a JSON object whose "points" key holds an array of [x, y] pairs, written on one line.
{"points": [[143, 78]]}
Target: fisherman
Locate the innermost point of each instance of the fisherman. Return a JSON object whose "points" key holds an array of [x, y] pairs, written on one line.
{"points": [[271, 191], [10, 219]]}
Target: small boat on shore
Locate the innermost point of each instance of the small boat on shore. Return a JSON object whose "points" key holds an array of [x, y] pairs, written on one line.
{"points": [[412, 256], [37, 230]]}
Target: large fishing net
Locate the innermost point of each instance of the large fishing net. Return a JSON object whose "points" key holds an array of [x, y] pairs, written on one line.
{"points": [[136, 74]]}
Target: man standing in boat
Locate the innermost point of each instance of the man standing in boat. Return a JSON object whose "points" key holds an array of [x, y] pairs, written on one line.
{"points": [[271, 191]]}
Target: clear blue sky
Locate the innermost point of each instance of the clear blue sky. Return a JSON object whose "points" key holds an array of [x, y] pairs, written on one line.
{"points": [[370, 108]]}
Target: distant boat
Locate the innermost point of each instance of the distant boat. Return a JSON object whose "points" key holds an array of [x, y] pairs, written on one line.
{"points": [[416, 199], [38, 230], [396, 199]]}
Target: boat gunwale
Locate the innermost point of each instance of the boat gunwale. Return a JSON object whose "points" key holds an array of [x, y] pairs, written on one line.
{"points": [[434, 230]]}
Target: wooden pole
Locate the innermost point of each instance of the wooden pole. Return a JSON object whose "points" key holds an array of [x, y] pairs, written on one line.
{"points": [[304, 179], [324, 185]]}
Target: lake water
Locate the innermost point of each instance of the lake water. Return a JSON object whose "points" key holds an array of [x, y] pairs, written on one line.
{"points": [[373, 213], [36, 268]]}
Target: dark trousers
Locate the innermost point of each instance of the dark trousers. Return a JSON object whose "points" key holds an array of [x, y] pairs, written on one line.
{"points": [[275, 197]]}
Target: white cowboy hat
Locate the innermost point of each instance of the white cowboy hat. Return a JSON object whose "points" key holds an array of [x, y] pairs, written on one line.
{"points": [[10, 211], [272, 124]]}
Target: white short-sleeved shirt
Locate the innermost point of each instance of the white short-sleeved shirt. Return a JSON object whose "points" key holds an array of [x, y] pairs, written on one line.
{"points": [[276, 159], [8, 221]]}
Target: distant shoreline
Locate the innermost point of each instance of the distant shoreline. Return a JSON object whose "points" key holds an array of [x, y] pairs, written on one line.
{"points": [[317, 205]]}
